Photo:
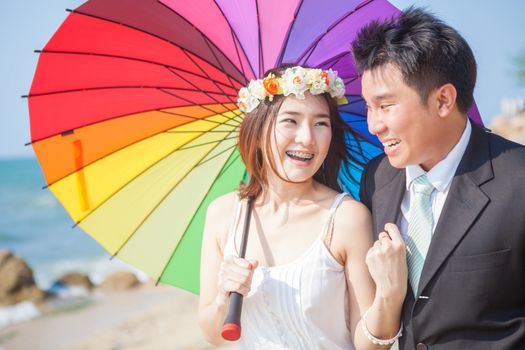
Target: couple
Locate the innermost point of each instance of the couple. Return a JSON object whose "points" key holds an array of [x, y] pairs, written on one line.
{"points": [[444, 204]]}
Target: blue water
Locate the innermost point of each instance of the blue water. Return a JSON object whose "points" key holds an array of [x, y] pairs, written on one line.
{"points": [[35, 226]]}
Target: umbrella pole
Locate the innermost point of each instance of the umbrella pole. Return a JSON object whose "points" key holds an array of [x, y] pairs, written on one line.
{"points": [[231, 329]]}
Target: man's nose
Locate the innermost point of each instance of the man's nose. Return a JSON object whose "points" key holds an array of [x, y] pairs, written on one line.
{"points": [[376, 125]]}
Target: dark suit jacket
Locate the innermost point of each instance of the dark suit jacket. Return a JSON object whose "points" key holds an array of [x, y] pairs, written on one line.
{"points": [[472, 288]]}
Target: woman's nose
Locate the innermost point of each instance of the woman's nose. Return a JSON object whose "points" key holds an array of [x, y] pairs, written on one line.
{"points": [[304, 135]]}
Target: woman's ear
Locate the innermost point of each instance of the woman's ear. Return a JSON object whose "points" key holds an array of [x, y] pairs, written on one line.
{"points": [[446, 99]]}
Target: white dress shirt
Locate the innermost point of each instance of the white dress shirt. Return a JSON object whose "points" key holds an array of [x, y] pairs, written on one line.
{"points": [[440, 176]]}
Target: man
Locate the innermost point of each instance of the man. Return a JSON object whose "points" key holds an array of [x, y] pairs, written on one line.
{"points": [[456, 192]]}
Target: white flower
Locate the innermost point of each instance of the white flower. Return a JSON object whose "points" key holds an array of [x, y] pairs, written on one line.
{"points": [[249, 104], [332, 77], [257, 89], [294, 81], [243, 94], [337, 88], [246, 101]]}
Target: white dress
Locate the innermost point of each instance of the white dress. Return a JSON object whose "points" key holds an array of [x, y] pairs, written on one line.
{"points": [[299, 305]]}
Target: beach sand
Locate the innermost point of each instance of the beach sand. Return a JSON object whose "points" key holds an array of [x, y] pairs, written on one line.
{"points": [[149, 317]]}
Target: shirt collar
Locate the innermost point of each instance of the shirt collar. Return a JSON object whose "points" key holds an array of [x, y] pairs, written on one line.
{"points": [[440, 176]]}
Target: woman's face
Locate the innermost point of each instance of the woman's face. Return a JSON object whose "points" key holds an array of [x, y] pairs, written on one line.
{"points": [[300, 137]]}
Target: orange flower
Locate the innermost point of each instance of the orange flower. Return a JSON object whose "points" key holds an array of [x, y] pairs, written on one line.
{"points": [[297, 80], [325, 76], [271, 85]]}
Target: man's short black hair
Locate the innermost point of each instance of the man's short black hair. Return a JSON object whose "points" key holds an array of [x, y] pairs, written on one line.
{"points": [[428, 52]]}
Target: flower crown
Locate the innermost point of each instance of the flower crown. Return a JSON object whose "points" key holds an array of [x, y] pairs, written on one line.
{"points": [[295, 80]]}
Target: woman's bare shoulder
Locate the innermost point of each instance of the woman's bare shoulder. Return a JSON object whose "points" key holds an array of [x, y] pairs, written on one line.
{"points": [[223, 204], [352, 217], [219, 216], [354, 208]]}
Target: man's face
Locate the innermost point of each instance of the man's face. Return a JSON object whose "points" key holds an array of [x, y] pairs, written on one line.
{"points": [[408, 129]]}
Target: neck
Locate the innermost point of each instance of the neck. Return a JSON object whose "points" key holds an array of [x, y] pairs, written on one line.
{"points": [[448, 139], [280, 192]]}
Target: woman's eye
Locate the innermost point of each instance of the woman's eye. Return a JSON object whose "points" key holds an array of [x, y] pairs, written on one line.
{"points": [[323, 124], [385, 106], [288, 121]]}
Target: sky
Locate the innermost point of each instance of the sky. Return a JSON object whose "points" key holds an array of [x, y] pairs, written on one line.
{"points": [[493, 30]]}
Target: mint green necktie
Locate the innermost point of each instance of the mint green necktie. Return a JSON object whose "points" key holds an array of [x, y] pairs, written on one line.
{"points": [[419, 228]]}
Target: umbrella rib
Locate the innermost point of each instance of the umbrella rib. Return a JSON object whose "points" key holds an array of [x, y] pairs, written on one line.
{"points": [[117, 87], [165, 130], [288, 33], [190, 221], [229, 165], [207, 94], [310, 49], [134, 178], [156, 206], [261, 58], [215, 156], [207, 41], [234, 35], [206, 120], [207, 143], [204, 71], [189, 101], [69, 131], [135, 60], [335, 59], [192, 131], [155, 35]]}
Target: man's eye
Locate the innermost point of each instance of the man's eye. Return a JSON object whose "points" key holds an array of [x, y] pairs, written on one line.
{"points": [[385, 106]]}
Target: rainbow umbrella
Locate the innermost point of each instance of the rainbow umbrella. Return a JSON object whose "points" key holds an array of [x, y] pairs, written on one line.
{"points": [[133, 115]]}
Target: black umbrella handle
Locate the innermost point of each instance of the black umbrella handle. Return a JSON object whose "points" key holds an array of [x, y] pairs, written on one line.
{"points": [[231, 329]]}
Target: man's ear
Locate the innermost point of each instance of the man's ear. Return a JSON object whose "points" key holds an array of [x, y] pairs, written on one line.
{"points": [[445, 97]]}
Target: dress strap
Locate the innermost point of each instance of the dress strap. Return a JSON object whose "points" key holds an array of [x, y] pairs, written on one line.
{"points": [[326, 233]]}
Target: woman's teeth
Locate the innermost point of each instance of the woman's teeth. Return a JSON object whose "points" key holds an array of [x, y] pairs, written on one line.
{"points": [[299, 155]]}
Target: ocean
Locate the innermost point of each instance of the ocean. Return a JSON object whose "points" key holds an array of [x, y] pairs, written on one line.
{"points": [[35, 227]]}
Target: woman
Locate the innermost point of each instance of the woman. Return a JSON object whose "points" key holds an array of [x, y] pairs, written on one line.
{"points": [[311, 274]]}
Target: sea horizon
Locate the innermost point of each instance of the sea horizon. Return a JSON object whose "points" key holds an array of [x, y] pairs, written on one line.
{"points": [[35, 227]]}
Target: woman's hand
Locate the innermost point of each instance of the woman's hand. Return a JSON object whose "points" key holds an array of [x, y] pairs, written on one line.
{"points": [[386, 261], [235, 275]]}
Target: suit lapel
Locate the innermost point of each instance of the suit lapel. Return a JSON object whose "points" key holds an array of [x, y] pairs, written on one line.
{"points": [[464, 203], [387, 201]]}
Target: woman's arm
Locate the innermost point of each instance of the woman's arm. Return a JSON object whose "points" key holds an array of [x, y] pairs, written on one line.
{"points": [[376, 277], [219, 276]]}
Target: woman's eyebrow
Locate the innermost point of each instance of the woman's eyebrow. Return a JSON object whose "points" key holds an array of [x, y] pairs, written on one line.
{"points": [[294, 113]]}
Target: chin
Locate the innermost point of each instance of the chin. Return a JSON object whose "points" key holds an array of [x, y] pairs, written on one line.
{"points": [[298, 177], [398, 163]]}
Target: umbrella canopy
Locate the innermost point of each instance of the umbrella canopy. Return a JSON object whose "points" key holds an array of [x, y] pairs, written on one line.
{"points": [[133, 115]]}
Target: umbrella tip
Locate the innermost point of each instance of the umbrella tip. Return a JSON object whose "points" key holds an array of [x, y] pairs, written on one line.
{"points": [[27, 144], [37, 51], [24, 96], [69, 10], [45, 187]]}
